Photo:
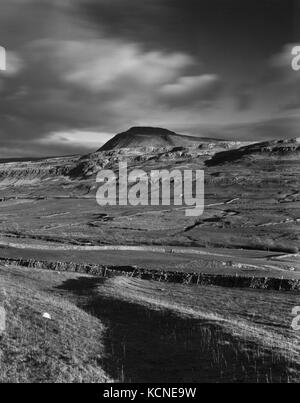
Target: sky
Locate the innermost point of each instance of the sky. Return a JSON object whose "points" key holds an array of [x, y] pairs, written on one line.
{"points": [[80, 71]]}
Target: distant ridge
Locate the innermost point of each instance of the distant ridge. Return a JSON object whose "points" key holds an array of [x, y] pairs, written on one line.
{"points": [[272, 150], [151, 137]]}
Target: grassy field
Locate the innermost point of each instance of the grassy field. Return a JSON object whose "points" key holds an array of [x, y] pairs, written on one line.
{"points": [[33, 349], [142, 331]]}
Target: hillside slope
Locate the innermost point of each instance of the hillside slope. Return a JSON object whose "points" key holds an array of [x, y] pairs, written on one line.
{"points": [[273, 150], [151, 137]]}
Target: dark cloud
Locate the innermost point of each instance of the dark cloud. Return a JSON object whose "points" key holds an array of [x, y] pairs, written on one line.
{"points": [[219, 28], [81, 67]]}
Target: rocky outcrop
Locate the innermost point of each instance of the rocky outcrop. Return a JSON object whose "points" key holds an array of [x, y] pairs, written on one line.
{"points": [[276, 150], [30, 172]]}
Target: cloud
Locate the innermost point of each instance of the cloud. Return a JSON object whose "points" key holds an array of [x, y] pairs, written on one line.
{"points": [[81, 67], [102, 85], [101, 64], [192, 89], [73, 139]]}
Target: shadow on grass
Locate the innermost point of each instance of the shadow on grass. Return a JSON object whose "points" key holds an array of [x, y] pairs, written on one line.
{"points": [[145, 345]]}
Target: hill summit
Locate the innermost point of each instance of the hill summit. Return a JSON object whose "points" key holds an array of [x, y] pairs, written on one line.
{"points": [[150, 137]]}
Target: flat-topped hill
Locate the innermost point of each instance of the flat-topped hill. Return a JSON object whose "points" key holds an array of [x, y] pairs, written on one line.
{"points": [[151, 137]]}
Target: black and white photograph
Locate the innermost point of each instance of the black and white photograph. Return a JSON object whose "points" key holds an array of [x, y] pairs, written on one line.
{"points": [[149, 194]]}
